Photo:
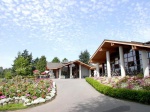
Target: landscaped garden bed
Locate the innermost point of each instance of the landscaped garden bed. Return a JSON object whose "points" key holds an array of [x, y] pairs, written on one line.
{"points": [[134, 82], [129, 88], [25, 92]]}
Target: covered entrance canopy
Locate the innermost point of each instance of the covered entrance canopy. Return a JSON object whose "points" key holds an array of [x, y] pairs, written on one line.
{"points": [[73, 69], [110, 49]]}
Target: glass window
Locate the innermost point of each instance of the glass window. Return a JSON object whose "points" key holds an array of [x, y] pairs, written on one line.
{"points": [[135, 58], [130, 54], [135, 67], [126, 64], [125, 60], [132, 68], [140, 54], [130, 59], [125, 55], [135, 62], [140, 61], [134, 53], [132, 63]]}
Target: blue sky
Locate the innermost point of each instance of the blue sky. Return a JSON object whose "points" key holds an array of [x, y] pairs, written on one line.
{"points": [[64, 28]]}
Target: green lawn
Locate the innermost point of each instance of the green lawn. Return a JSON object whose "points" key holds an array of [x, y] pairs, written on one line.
{"points": [[12, 107]]}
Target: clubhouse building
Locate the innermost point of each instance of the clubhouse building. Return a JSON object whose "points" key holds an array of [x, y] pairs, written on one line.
{"points": [[121, 58], [73, 69]]}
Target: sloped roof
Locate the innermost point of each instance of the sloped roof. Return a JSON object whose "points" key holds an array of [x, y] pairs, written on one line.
{"points": [[79, 62], [112, 46], [51, 65]]}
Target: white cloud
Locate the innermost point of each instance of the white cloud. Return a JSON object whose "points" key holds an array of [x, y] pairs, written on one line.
{"points": [[26, 13], [67, 23], [7, 1]]}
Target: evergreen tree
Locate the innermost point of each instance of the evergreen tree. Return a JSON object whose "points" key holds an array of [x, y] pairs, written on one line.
{"points": [[23, 64], [41, 64], [56, 60], [65, 60], [1, 72], [84, 56], [34, 63]]}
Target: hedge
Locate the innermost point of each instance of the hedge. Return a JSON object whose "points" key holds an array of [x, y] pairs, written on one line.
{"points": [[141, 96]]}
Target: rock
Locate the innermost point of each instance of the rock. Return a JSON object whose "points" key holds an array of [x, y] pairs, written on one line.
{"points": [[48, 98], [41, 100], [52, 94], [27, 104], [54, 84]]}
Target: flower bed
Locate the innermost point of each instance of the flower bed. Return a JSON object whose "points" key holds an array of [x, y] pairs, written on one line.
{"points": [[127, 82], [26, 91], [142, 96]]}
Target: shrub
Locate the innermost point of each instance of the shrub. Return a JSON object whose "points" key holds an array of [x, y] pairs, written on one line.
{"points": [[140, 75], [8, 75], [141, 96]]}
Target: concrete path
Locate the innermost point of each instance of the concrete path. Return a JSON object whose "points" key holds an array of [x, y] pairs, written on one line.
{"points": [[76, 95]]}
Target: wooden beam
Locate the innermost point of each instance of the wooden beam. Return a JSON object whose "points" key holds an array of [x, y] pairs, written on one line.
{"points": [[107, 49], [117, 45], [97, 61], [103, 49], [112, 44], [134, 47], [140, 48]]}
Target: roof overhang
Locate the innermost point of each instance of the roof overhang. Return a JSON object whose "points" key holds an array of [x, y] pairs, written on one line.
{"points": [[112, 46], [77, 62], [70, 63]]}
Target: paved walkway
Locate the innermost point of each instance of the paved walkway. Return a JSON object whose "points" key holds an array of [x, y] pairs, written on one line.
{"points": [[76, 95]]}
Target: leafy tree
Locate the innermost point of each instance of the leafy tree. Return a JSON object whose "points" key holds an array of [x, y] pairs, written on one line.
{"points": [[1, 72], [84, 56], [8, 75], [41, 64], [23, 63], [65, 60], [28, 57], [21, 66], [56, 60]]}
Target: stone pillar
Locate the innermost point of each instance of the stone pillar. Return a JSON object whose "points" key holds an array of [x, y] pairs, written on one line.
{"points": [[108, 64], [145, 63], [123, 73], [89, 72], [80, 71], [60, 73], [97, 69], [70, 71]]}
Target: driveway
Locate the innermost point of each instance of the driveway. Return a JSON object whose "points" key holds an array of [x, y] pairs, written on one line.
{"points": [[76, 95]]}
